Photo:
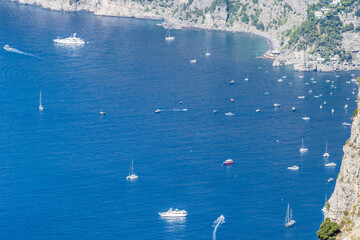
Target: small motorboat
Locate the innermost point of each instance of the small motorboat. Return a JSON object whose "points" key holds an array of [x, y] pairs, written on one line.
{"points": [[325, 102], [232, 100], [330, 164], [7, 47], [320, 106], [346, 124], [193, 61], [293, 109], [266, 93], [258, 110], [215, 111], [232, 82], [157, 111], [229, 114], [228, 162], [102, 113], [306, 118], [276, 105], [346, 106], [294, 168], [246, 79], [330, 179], [301, 97], [280, 80], [332, 111]]}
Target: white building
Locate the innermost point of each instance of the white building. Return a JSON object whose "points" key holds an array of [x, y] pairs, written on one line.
{"points": [[336, 2]]}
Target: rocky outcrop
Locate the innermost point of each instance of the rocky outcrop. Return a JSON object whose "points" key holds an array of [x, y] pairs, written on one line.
{"points": [[344, 204]]}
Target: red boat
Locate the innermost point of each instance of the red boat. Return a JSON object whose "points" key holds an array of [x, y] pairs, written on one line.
{"points": [[228, 162]]}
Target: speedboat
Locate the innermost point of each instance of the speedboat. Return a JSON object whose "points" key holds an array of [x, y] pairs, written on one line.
{"points": [[302, 148], [346, 124], [320, 106], [102, 113], [325, 102], [232, 82], [7, 47], [332, 110], [228, 162], [327, 81], [293, 168], [293, 109], [246, 79], [174, 213], [276, 105], [157, 111], [229, 114], [266, 93], [330, 179], [193, 61], [232, 100], [301, 97], [70, 40], [330, 164], [215, 111], [258, 110], [346, 106], [280, 80], [306, 118]]}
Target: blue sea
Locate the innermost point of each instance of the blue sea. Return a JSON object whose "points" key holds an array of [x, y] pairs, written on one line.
{"points": [[63, 171]]}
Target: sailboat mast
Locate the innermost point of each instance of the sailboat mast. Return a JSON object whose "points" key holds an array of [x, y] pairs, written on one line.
{"points": [[302, 143], [40, 98], [326, 146], [290, 215], [287, 215]]}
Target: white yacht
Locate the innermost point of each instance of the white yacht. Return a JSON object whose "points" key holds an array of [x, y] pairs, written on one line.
{"points": [[293, 109], [102, 113], [229, 114], [306, 118], [326, 154], [295, 168], [302, 148], [157, 111], [288, 219], [258, 110], [70, 40], [332, 111], [346, 106], [232, 82], [193, 61], [207, 52], [301, 97], [7, 47], [280, 80], [320, 106], [174, 213], [40, 105], [132, 175], [276, 105], [330, 164], [168, 37]]}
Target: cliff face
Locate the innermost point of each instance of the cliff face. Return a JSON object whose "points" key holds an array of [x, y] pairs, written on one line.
{"points": [[344, 205]]}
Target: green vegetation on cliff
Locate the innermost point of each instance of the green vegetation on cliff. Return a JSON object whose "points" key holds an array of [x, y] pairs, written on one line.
{"points": [[328, 230]]}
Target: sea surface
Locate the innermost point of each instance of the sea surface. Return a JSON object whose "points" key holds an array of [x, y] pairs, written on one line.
{"points": [[63, 170]]}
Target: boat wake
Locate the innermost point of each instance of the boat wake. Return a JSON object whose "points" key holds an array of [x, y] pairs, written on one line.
{"points": [[14, 50], [217, 222]]}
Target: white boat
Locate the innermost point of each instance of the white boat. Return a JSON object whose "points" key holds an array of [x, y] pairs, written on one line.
{"points": [[294, 168], [306, 118], [346, 106], [70, 40], [246, 79], [7, 47], [168, 37], [293, 109], [102, 113], [310, 91], [330, 164], [332, 111], [266, 93], [280, 80], [276, 105], [157, 111], [193, 61], [229, 114], [207, 52], [215, 111], [321, 107], [301, 97], [330, 179], [302, 148], [326, 154], [325, 102], [346, 124], [132, 175], [40, 105], [327, 81], [232, 82], [174, 213], [288, 219], [258, 110]]}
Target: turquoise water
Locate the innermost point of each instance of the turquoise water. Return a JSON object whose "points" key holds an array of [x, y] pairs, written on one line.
{"points": [[63, 170]]}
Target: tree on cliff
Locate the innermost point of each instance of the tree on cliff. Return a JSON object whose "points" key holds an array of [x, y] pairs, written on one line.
{"points": [[328, 230]]}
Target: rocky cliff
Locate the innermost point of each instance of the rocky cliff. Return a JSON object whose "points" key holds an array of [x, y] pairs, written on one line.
{"points": [[344, 205]]}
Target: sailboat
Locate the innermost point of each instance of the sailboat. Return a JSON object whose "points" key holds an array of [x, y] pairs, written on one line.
{"points": [[326, 154], [303, 149], [207, 52], [132, 175], [288, 219], [40, 106], [168, 37]]}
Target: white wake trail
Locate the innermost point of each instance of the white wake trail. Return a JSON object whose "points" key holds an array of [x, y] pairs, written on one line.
{"points": [[14, 50], [217, 222]]}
